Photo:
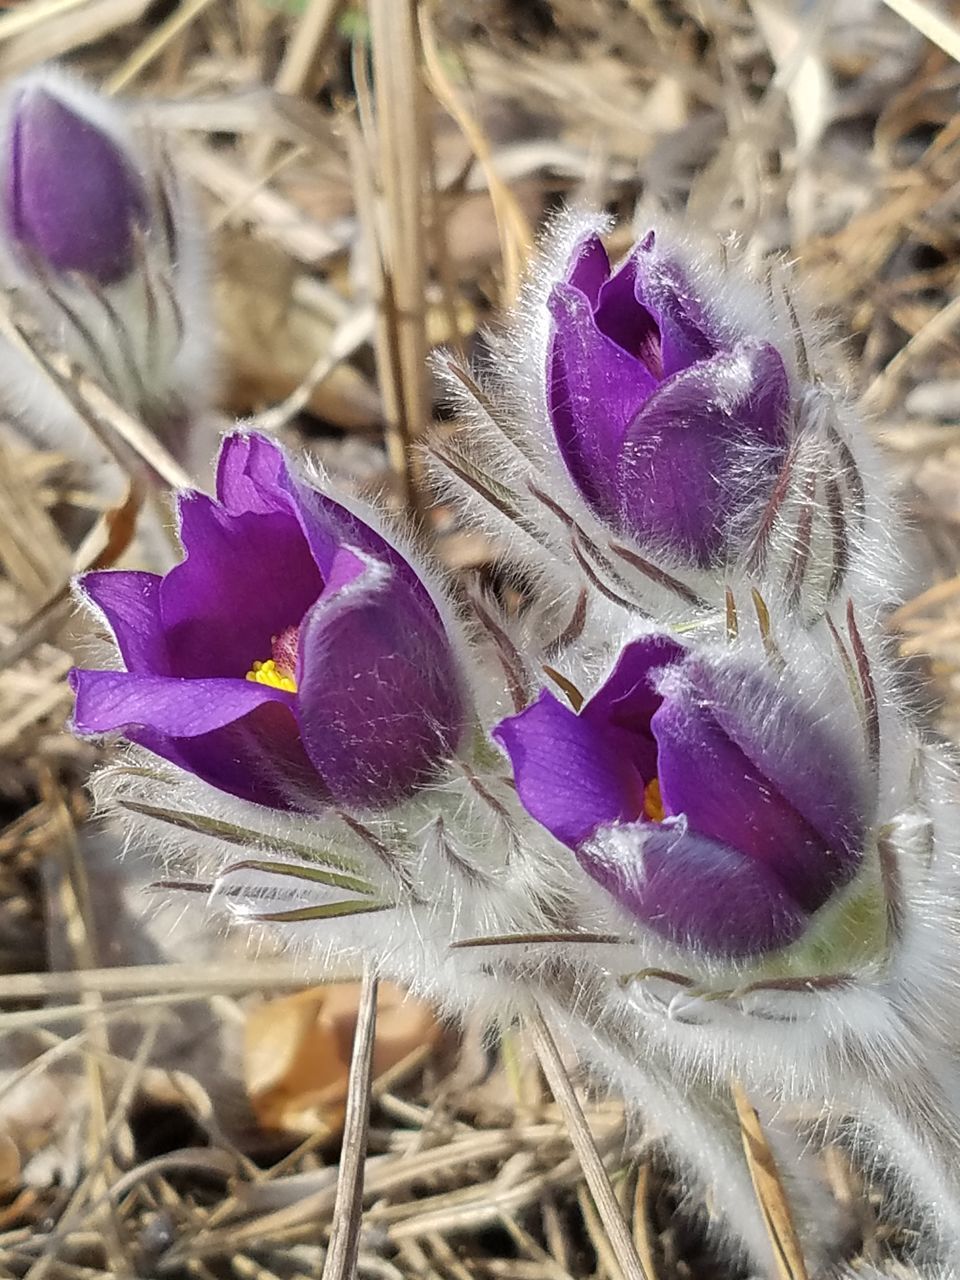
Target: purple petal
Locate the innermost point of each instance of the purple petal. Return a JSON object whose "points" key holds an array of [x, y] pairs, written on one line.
{"points": [[627, 322], [594, 391], [693, 890], [589, 268], [237, 735], [252, 475], [346, 568], [259, 758], [801, 760], [72, 196], [706, 777], [627, 700], [245, 579], [130, 602], [573, 775], [327, 525], [687, 334], [118, 701], [380, 704], [690, 461]]}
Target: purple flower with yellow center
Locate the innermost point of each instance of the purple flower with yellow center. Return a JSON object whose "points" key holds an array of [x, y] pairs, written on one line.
{"points": [[714, 808], [294, 657], [72, 197], [670, 428]]}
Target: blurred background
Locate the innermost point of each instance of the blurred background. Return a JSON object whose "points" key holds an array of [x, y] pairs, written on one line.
{"points": [[374, 178]]}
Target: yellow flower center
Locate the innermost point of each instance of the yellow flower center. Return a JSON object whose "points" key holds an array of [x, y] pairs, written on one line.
{"points": [[279, 670], [269, 673], [652, 802]]}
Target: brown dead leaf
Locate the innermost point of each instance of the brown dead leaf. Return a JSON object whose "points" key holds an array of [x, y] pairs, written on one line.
{"points": [[297, 1052], [270, 342]]}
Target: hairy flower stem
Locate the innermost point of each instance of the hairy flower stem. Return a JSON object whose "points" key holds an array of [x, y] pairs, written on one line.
{"points": [[914, 1120], [694, 1122]]}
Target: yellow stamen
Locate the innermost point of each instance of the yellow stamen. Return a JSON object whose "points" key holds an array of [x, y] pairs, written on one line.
{"points": [[269, 673], [652, 802]]}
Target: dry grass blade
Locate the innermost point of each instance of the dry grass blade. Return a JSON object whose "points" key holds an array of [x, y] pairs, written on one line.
{"points": [[771, 1196], [17, 20], [930, 23], [881, 392], [139, 979], [102, 414], [93, 1185], [400, 125], [307, 45], [641, 1225], [348, 1210], [70, 900], [300, 60], [156, 42], [100, 549], [516, 238], [354, 331], [618, 1232], [31, 550]]}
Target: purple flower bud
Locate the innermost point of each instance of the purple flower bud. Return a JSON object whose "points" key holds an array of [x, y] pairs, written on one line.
{"points": [[71, 195], [293, 658], [670, 428], [712, 807]]}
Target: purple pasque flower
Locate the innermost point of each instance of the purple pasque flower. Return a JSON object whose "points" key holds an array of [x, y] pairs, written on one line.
{"points": [[293, 658], [72, 196], [710, 804], [669, 426]]}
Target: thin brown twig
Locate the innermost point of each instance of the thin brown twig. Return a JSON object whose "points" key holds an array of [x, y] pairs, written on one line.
{"points": [[348, 1208], [598, 1180]]}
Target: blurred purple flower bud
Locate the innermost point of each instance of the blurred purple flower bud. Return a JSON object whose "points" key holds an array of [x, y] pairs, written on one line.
{"points": [[293, 658], [72, 197], [712, 807], [669, 429]]}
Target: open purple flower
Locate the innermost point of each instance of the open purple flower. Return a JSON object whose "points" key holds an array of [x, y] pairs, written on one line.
{"points": [[713, 809], [670, 429], [293, 658], [71, 196]]}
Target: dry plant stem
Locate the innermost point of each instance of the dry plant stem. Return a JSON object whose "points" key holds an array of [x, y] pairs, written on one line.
{"points": [[74, 895], [173, 979], [17, 20], [641, 1224], [930, 23], [106, 419], [771, 1196], [513, 229], [618, 1233], [883, 389], [301, 58], [400, 156], [156, 42], [348, 1209], [31, 552], [350, 335], [101, 548], [93, 1187]]}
